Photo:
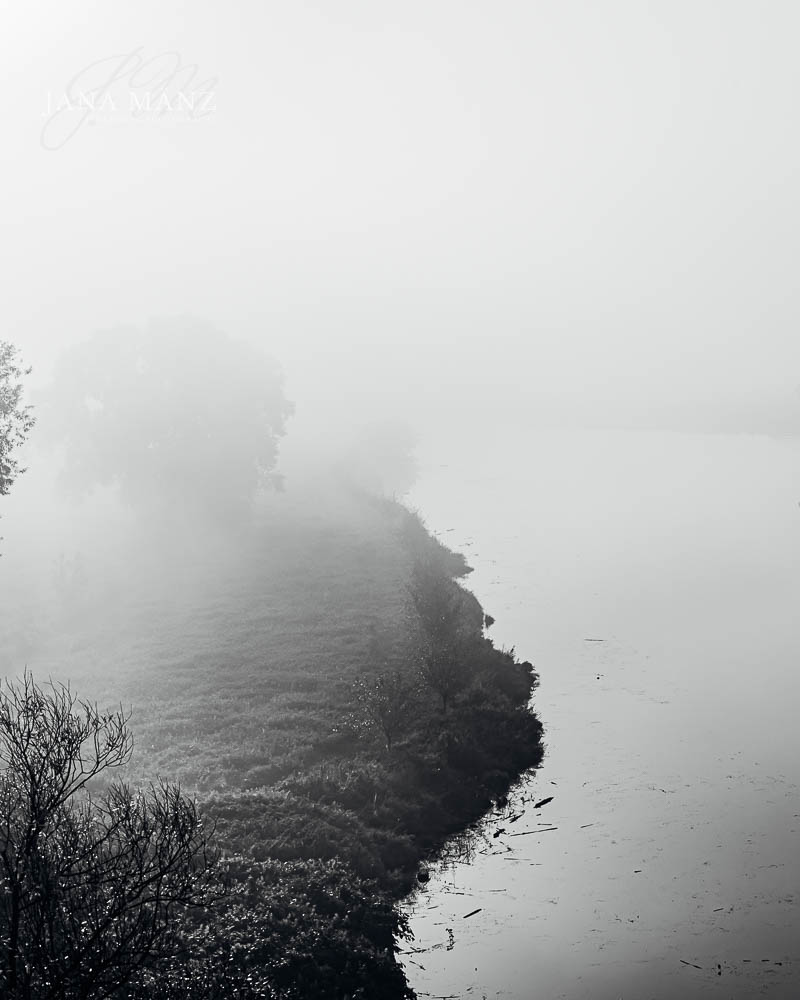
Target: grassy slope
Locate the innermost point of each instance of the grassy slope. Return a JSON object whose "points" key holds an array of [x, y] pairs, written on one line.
{"points": [[232, 660], [239, 662]]}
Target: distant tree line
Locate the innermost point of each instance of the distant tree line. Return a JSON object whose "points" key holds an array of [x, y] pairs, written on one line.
{"points": [[179, 417]]}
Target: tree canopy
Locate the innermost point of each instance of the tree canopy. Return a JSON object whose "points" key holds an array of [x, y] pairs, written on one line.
{"points": [[177, 414], [16, 420]]}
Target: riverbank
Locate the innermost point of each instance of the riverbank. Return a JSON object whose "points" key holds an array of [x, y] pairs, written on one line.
{"points": [[327, 690]]}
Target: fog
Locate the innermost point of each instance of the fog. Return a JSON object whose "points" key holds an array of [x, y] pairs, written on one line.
{"points": [[589, 206], [500, 235]]}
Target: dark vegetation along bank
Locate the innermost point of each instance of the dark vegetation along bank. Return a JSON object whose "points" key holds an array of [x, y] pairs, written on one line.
{"points": [[322, 688]]}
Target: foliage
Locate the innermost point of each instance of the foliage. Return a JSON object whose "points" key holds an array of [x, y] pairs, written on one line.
{"points": [[446, 613], [177, 414], [16, 420], [295, 930], [388, 702], [449, 630], [421, 545], [89, 888], [443, 670]]}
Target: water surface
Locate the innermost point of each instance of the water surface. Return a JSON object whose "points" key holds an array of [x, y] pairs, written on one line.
{"points": [[672, 745]]}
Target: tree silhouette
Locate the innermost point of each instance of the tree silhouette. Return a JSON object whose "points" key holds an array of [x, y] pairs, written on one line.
{"points": [[447, 630], [90, 888], [389, 702], [179, 416]]}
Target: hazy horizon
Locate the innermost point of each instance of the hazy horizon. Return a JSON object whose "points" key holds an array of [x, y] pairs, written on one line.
{"points": [[588, 206]]}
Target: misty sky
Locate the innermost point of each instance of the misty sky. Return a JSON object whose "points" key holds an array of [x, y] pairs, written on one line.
{"points": [[590, 201]]}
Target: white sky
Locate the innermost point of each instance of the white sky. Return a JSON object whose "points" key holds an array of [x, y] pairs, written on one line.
{"points": [[584, 200]]}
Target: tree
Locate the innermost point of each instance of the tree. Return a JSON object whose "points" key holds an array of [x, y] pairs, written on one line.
{"points": [[389, 703], [90, 888], [446, 672], [450, 626], [16, 420], [179, 416]]}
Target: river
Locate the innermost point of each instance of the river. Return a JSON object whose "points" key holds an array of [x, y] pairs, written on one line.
{"points": [[653, 580]]}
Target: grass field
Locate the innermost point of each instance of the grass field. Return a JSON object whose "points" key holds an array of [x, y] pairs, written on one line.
{"points": [[240, 659], [222, 647]]}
